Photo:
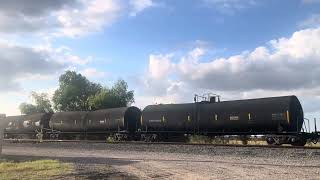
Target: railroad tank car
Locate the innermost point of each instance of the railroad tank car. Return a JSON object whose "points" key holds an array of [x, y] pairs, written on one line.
{"points": [[250, 116], [100, 123], [169, 117], [26, 126], [114, 120], [264, 115], [68, 121]]}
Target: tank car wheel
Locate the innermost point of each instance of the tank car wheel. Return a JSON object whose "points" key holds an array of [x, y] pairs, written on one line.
{"points": [[315, 141], [273, 141], [154, 138], [299, 142], [270, 141]]}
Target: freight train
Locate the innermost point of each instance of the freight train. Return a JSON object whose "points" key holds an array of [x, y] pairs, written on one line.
{"points": [[279, 119]]}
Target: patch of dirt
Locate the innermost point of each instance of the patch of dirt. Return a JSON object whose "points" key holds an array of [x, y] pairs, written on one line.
{"points": [[103, 161]]}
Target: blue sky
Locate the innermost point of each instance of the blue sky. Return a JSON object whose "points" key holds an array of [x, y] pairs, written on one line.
{"points": [[177, 25], [166, 50]]}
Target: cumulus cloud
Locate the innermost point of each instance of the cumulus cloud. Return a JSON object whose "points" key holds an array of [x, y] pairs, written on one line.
{"points": [[230, 6], [31, 16], [287, 63], [140, 5], [312, 21], [33, 7], [160, 65], [19, 61], [65, 55], [91, 16], [70, 18], [283, 66], [93, 73]]}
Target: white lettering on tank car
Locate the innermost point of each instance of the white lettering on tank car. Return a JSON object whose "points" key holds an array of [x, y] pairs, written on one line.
{"points": [[234, 118], [155, 121]]}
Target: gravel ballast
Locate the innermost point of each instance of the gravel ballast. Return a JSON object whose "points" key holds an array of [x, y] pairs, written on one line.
{"points": [[146, 161]]}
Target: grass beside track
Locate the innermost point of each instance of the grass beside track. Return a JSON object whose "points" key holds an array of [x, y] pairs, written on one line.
{"points": [[29, 170], [252, 141]]}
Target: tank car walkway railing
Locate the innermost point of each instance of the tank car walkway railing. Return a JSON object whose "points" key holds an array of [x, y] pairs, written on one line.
{"points": [[308, 129]]}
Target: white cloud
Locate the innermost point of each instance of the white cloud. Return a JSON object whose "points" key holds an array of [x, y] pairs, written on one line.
{"points": [[310, 1], [93, 73], [92, 16], [312, 21], [62, 18], [19, 61], [140, 5], [72, 18], [281, 66], [284, 66], [20, 64], [160, 65], [230, 6], [64, 55]]}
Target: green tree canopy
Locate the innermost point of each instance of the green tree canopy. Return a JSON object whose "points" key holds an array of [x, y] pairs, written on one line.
{"points": [[73, 92], [42, 104], [26, 108], [117, 96]]}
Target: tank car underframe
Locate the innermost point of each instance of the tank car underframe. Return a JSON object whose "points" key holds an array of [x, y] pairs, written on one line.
{"points": [[272, 138], [118, 135], [20, 135]]}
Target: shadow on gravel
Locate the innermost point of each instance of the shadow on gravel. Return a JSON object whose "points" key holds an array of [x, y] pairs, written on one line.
{"points": [[123, 161], [84, 167]]}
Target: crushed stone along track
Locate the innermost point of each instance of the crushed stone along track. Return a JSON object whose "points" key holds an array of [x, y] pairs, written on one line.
{"points": [[159, 143], [172, 161]]}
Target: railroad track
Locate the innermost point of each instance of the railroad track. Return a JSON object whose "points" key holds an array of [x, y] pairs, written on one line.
{"points": [[157, 143]]}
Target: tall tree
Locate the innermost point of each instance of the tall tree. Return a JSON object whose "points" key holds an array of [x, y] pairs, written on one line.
{"points": [[42, 104], [73, 92], [120, 90], [117, 96], [26, 108]]}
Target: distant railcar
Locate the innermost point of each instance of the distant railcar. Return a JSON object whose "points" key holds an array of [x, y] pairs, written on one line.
{"points": [[106, 122], [26, 126]]}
